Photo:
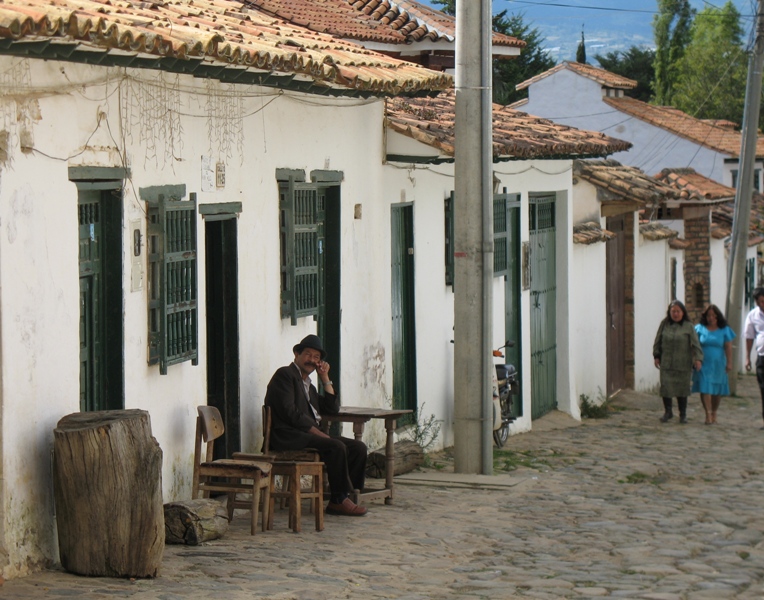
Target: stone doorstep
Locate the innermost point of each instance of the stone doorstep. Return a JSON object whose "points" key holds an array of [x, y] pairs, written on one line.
{"points": [[464, 480]]}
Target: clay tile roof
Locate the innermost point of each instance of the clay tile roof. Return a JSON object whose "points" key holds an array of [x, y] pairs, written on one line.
{"points": [[383, 21], [516, 135], [680, 244], [590, 233], [694, 186], [721, 220], [706, 133], [601, 76], [210, 33], [724, 123], [629, 183], [655, 231]]}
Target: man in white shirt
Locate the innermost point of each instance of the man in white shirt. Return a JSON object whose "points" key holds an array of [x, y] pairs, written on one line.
{"points": [[754, 332]]}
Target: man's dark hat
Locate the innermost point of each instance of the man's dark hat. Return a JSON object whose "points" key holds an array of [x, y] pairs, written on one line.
{"points": [[310, 341]]}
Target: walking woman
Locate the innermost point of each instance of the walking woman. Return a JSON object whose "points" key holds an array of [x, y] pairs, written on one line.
{"points": [[676, 352], [716, 341]]}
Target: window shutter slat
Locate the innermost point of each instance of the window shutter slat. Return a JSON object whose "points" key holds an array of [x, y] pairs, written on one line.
{"points": [[172, 281]]}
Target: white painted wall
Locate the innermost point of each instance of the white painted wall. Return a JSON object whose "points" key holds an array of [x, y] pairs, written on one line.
{"points": [[39, 323], [652, 294], [588, 300], [581, 106], [427, 186]]}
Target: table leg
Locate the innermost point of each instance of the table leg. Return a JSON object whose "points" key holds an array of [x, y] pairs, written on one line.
{"points": [[358, 430], [389, 458]]}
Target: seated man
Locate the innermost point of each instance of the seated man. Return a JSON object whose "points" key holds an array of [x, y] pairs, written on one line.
{"points": [[296, 409]]}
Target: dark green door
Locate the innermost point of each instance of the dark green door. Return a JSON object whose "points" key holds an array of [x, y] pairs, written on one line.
{"points": [[506, 214], [101, 314], [222, 296], [329, 236], [404, 328], [543, 305]]}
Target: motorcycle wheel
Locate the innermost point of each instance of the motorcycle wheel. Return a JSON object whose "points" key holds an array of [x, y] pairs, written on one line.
{"points": [[500, 435]]}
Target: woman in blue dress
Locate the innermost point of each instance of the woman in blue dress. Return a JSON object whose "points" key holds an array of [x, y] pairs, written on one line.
{"points": [[711, 380]]}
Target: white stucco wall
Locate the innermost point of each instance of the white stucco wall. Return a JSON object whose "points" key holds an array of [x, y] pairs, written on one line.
{"points": [[427, 186], [588, 299], [254, 132], [652, 294], [581, 106]]}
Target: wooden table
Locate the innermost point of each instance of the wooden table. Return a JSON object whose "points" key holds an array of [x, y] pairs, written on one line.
{"points": [[359, 416]]}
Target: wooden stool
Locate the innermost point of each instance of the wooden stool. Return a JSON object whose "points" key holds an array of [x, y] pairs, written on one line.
{"points": [[291, 474]]}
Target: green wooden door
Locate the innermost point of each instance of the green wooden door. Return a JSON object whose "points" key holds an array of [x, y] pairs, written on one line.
{"points": [[543, 316], [222, 325], [507, 261], [403, 315], [101, 310], [329, 279]]}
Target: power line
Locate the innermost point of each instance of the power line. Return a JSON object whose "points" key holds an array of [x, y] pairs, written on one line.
{"points": [[601, 8]]}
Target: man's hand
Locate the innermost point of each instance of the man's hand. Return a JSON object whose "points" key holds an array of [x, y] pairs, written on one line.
{"points": [[657, 363], [317, 431], [748, 364], [323, 371]]}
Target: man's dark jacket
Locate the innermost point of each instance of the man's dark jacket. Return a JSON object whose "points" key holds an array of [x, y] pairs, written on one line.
{"points": [[291, 417]]}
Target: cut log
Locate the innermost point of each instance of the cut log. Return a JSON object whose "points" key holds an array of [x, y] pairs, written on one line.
{"points": [[107, 482], [194, 521], [408, 456]]}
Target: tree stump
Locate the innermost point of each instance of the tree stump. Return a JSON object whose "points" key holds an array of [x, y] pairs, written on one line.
{"points": [[408, 456], [194, 521], [107, 481]]}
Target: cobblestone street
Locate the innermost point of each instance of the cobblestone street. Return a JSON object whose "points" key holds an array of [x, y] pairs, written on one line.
{"points": [[623, 507]]}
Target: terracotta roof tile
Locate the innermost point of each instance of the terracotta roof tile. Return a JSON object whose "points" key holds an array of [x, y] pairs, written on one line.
{"points": [[601, 76], [722, 216], [694, 186], [223, 32], [680, 244], [706, 133], [430, 22], [383, 21], [516, 135], [629, 183], [591, 233], [655, 231]]}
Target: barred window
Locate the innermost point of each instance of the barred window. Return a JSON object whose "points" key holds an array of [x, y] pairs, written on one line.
{"points": [[172, 279]]}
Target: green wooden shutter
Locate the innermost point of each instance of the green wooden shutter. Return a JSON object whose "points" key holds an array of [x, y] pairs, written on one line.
{"points": [[300, 249], [449, 215], [750, 282], [172, 282], [500, 235]]}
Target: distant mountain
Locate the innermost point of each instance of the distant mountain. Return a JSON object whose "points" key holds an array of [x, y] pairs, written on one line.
{"points": [[608, 25]]}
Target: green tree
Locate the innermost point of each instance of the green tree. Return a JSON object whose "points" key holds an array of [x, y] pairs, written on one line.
{"points": [[581, 50], [508, 72], [671, 27], [533, 59], [449, 6], [635, 63], [711, 75]]}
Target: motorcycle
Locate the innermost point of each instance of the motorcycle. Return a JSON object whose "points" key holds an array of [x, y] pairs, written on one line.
{"points": [[505, 386]]}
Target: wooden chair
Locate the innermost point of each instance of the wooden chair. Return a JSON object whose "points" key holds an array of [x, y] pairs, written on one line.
{"points": [[229, 475], [291, 465]]}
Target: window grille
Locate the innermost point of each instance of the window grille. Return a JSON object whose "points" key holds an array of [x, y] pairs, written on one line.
{"points": [[172, 281]]}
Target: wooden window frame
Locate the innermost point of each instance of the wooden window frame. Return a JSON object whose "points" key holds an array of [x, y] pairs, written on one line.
{"points": [[173, 284]]}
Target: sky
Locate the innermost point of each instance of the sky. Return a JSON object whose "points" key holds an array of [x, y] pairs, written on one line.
{"points": [[608, 25]]}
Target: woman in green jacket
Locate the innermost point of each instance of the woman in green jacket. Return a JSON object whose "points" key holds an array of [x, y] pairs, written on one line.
{"points": [[676, 352]]}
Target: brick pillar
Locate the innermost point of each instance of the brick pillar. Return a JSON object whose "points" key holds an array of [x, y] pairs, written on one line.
{"points": [[697, 265]]}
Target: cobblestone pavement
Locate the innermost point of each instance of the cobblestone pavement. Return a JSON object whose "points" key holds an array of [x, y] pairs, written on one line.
{"points": [[623, 507]]}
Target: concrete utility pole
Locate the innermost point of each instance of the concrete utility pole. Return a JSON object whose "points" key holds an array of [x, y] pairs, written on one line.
{"points": [[473, 243], [742, 216]]}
